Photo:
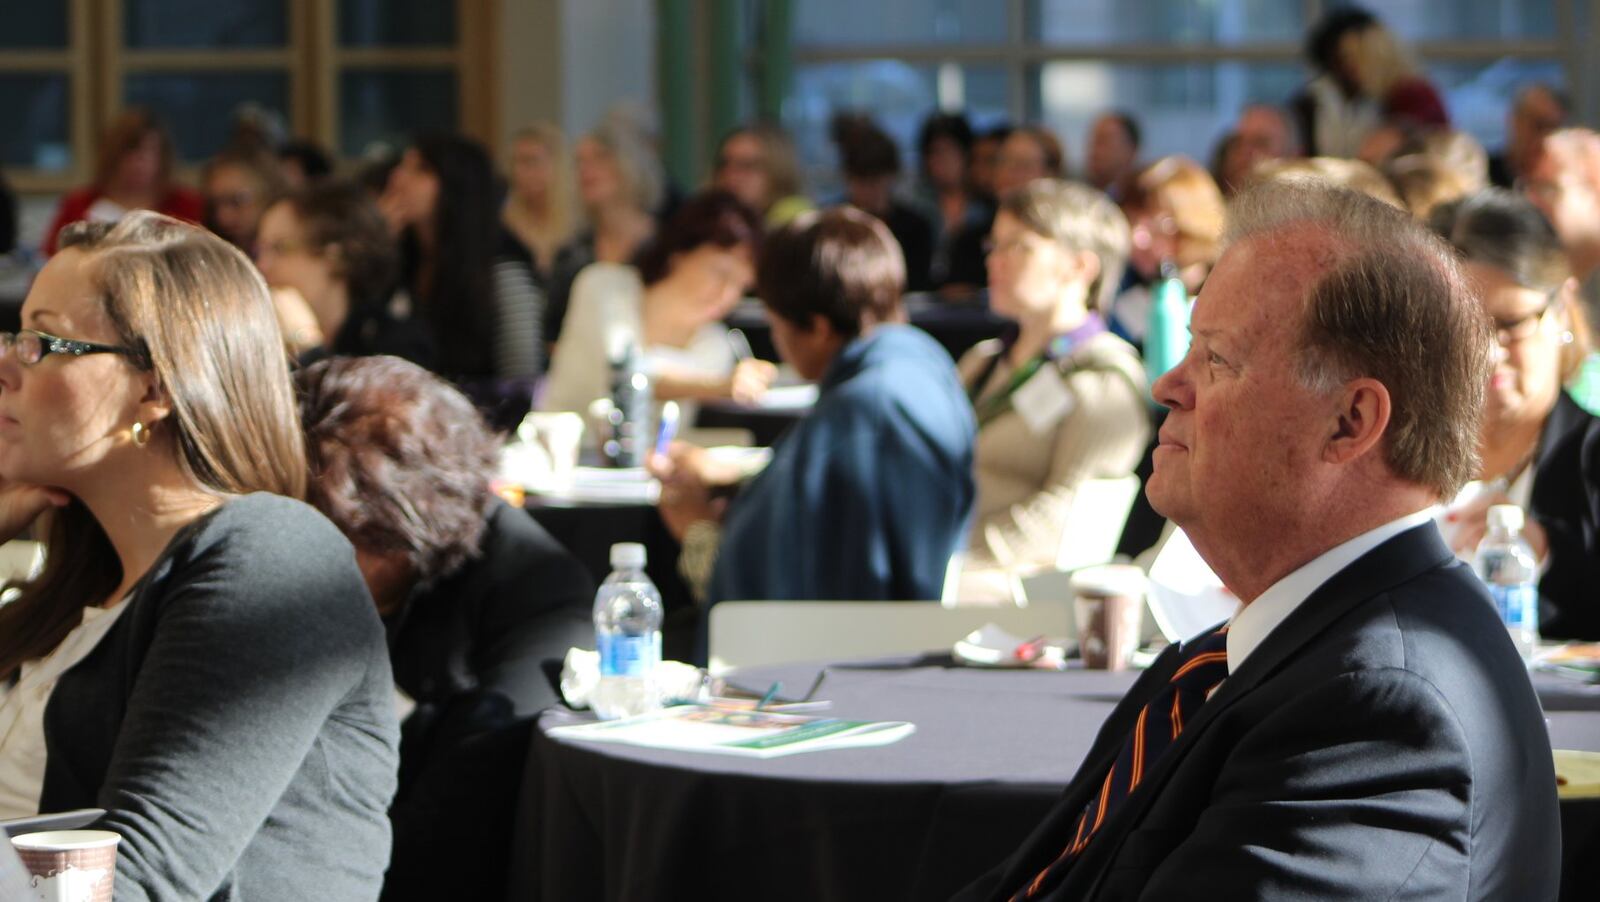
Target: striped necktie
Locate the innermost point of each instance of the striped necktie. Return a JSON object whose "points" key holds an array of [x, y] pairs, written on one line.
{"points": [[1202, 666]]}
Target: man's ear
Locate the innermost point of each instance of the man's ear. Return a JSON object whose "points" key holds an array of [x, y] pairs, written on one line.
{"points": [[1361, 418]]}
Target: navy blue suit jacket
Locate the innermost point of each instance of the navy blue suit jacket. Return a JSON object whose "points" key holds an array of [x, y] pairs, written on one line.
{"points": [[1383, 742]]}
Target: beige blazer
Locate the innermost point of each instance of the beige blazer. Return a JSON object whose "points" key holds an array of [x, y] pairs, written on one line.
{"points": [[1026, 479]]}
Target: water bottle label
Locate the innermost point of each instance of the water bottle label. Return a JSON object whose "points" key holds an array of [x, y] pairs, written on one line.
{"points": [[1518, 605], [630, 656]]}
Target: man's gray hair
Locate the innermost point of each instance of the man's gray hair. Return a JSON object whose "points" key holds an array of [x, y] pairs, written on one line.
{"points": [[1386, 300]]}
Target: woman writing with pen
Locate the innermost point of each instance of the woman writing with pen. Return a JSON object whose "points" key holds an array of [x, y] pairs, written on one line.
{"points": [[669, 309]]}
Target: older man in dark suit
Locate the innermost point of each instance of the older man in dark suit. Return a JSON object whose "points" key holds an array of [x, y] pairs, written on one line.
{"points": [[1363, 728]]}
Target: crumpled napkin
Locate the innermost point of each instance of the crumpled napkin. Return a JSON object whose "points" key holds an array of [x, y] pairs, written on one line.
{"points": [[580, 674]]}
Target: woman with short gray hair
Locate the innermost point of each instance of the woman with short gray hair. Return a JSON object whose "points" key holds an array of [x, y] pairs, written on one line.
{"points": [[1059, 399]]}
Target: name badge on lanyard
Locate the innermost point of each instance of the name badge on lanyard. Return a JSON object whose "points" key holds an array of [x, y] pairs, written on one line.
{"points": [[1043, 400]]}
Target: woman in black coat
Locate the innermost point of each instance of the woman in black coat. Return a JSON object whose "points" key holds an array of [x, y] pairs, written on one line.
{"points": [[475, 596], [1540, 450]]}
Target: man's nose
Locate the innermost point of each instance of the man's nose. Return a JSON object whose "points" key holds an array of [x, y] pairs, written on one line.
{"points": [[1174, 389]]}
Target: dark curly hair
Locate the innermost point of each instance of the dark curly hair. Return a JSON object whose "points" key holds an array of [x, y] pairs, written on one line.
{"points": [[400, 460], [343, 215], [710, 217]]}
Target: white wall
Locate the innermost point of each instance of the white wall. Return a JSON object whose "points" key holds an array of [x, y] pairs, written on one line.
{"points": [[569, 61]]}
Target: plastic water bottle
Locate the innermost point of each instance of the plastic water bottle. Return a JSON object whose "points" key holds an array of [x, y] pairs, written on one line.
{"points": [[1167, 338], [631, 394], [1506, 565], [627, 632]]}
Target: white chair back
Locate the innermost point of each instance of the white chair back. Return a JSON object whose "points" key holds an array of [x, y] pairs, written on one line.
{"points": [[754, 633], [1089, 536]]}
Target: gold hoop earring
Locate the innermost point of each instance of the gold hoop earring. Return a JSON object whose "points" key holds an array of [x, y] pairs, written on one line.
{"points": [[141, 434]]}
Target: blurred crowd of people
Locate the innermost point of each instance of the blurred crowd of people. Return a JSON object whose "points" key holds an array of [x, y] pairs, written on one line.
{"points": [[524, 289]]}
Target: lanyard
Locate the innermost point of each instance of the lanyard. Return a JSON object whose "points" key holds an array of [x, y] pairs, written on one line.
{"points": [[1060, 348], [1000, 402]]}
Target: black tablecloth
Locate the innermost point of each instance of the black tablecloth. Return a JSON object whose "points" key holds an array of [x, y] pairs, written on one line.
{"points": [[913, 820]]}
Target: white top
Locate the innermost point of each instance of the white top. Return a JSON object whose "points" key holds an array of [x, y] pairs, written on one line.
{"points": [[1256, 620], [22, 751], [604, 316]]}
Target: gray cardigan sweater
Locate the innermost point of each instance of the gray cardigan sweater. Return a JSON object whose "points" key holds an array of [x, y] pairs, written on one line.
{"points": [[237, 723]]}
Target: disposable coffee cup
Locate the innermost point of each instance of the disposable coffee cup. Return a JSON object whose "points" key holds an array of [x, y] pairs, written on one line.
{"points": [[1108, 603], [560, 434], [69, 865]]}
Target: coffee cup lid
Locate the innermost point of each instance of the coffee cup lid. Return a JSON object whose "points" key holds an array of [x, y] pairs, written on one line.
{"points": [[64, 840]]}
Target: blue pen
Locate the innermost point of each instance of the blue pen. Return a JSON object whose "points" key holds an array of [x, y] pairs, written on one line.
{"points": [[669, 427]]}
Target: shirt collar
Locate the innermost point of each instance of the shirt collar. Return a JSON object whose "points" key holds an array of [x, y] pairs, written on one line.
{"points": [[1256, 620]]}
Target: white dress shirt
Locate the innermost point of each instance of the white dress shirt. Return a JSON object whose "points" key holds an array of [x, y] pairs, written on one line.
{"points": [[1256, 620], [22, 749]]}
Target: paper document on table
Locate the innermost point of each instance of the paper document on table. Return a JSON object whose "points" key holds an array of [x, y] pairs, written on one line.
{"points": [[788, 397], [603, 485], [1185, 596], [751, 734]]}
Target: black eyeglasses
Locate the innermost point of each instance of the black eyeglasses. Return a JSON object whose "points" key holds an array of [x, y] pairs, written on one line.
{"points": [[1511, 331], [31, 346]]}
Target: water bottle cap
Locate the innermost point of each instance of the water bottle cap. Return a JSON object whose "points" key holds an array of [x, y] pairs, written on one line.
{"points": [[627, 554], [1505, 516]]}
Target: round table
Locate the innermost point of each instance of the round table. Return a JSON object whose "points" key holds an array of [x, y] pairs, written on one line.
{"points": [[918, 819]]}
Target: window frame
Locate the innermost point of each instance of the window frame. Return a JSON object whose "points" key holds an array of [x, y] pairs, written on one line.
{"points": [[1021, 56], [97, 62]]}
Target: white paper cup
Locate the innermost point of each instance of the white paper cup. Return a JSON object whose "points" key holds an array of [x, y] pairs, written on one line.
{"points": [[560, 433], [1108, 603], [69, 865]]}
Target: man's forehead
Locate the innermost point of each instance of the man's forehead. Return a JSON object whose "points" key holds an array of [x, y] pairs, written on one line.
{"points": [[1266, 278]]}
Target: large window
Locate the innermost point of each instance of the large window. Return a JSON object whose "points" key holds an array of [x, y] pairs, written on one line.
{"points": [[347, 73], [1184, 68]]}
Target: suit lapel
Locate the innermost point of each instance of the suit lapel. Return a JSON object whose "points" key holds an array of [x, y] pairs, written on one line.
{"points": [[1052, 835], [1396, 561]]}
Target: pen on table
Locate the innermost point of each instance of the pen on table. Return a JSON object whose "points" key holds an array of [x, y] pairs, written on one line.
{"points": [[668, 430], [740, 345], [772, 693]]}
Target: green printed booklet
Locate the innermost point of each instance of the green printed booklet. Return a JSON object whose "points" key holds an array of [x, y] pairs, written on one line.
{"points": [[730, 731]]}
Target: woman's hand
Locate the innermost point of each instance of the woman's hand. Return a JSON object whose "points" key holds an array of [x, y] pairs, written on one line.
{"points": [[686, 499], [750, 380], [1471, 522], [20, 505]]}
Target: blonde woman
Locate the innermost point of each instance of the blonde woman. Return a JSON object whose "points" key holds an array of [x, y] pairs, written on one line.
{"points": [[757, 164], [199, 656], [1175, 212], [1386, 73], [620, 186], [539, 208]]}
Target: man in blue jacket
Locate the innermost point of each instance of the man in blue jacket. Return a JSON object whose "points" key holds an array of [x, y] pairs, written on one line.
{"points": [[869, 495]]}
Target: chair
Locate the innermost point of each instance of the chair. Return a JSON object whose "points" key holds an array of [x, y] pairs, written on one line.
{"points": [[753, 633], [1089, 535]]}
